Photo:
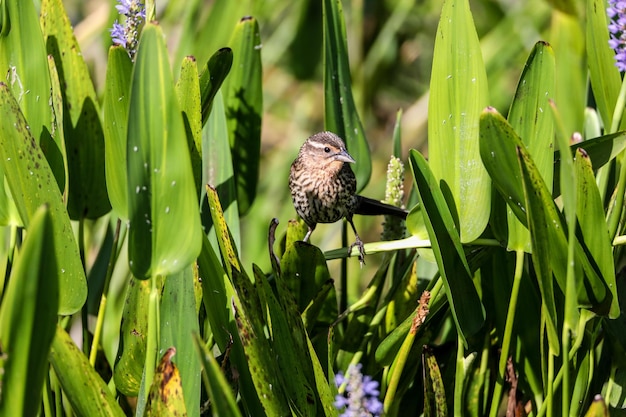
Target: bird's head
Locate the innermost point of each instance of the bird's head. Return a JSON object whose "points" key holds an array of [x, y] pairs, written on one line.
{"points": [[326, 150]]}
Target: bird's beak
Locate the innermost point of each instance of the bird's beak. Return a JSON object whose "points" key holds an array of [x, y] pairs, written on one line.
{"points": [[344, 156]]}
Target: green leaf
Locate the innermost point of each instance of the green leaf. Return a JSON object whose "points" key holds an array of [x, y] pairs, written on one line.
{"points": [[603, 74], [82, 128], [178, 306], [593, 227], [82, 385], [434, 391], [217, 388], [458, 94], [131, 354], [165, 233], [289, 344], [532, 122], [23, 61], [188, 90], [466, 307], [263, 381], [116, 103], [166, 392], [32, 184], [28, 319], [498, 145], [539, 225], [340, 112], [217, 169], [244, 109], [212, 76]]}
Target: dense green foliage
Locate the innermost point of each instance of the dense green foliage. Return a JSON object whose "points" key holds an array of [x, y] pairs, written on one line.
{"points": [[149, 264]]}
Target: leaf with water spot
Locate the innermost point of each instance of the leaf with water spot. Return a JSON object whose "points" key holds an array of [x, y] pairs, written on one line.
{"points": [[32, 184], [458, 94], [165, 233]]}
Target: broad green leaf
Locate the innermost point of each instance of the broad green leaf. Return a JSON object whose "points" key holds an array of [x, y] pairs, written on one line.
{"points": [[458, 94], [55, 149], [340, 112], [322, 384], [178, 308], [220, 393], [28, 319], [165, 233], [217, 169], [82, 127], [32, 184], [466, 307], [166, 392], [603, 74], [215, 292], [262, 382], [539, 225], [304, 271], [243, 97], [131, 354], [23, 63], [82, 385], [499, 144], [116, 103], [212, 77], [188, 90], [533, 123], [289, 343], [593, 226]]}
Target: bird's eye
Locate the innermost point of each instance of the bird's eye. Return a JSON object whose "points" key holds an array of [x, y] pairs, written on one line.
{"points": [[327, 149]]}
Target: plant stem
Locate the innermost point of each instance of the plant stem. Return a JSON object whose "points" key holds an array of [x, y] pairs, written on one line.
{"points": [[103, 299]]}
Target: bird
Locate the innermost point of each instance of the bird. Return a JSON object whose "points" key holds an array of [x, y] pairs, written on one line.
{"points": [[323, 187]]}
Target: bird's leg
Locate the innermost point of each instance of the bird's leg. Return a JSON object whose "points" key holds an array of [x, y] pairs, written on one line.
{"points": [[358, 243], [308, 234]]}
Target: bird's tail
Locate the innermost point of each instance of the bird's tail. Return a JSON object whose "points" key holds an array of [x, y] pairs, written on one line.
{"points": [[371, 207]]}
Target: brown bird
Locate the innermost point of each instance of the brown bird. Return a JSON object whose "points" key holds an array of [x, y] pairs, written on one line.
{"points": [[323, 187]]}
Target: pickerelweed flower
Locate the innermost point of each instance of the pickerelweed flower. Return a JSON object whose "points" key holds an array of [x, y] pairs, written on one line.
{"points": [[617, 31], [360, 398], [127, 34]]}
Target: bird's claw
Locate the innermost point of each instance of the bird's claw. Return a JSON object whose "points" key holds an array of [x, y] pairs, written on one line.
{"points": [[359, 244]]}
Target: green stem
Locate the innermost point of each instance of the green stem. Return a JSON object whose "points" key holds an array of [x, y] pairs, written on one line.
{"points": [[103, 299], [508, 334], [618, 111], [459, 377], [152, 347], [550, 395]]}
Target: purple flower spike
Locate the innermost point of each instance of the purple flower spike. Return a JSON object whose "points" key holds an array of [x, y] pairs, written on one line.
{"points": [[617, 31], [127, 35], [360, 398]]}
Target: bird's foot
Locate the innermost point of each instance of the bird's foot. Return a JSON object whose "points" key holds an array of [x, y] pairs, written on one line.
{"points": [[359, 244]]}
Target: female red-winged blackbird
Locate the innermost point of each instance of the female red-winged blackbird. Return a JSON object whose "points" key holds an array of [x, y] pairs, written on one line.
{"points": [[323, 186]]}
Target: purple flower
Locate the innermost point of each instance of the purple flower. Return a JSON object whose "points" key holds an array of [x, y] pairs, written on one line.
{"points": [[127, 35], [617, 31], [360, 398]]}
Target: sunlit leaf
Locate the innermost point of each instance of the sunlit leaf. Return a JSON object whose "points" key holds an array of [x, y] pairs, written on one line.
{"points": [[458, 94], [465, 305], [165, 234], [32, 185]]}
